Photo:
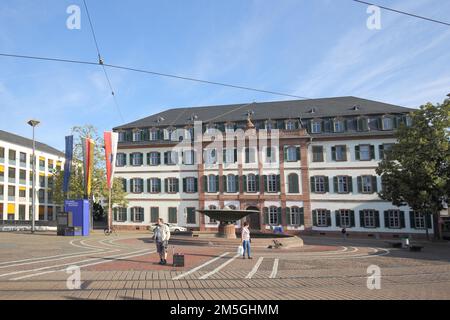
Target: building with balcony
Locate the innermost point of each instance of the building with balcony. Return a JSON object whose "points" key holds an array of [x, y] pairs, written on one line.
{"points": [[306, 165], [16, 178]]}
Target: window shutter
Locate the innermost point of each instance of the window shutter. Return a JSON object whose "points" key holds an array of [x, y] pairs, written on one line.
{"points": [[333, 153], [131, 185], [158, 188], [159, 158], [312, 184], [224, 183], [299, 155], [235, 155], [131, 159], [279, 215], [124, 185], [166, 184], [386, 219], [184, 184], [359, 179], [247, 155], [428, 220], [278, 183], [288, 216], [377, 219], [372, 152], [236, 181], [327, 185], [381, 151], [357, 155], [350, 184], [374, 184], [195, 185], [148, 185], [217, 183], [412, 221], [361, 219], [402, 219], [205, 184], [266, 215], [285, 149], [244, 183], [301, 217], [352, 218], [166, 157], [314, 216], [177, 185], [335, 184], [338, 218], [148, 158], [257, 183], [265, 183], [224, 155], [329, 224]]}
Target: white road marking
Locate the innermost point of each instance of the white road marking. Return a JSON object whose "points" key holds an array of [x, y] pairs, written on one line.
{"points": [[86, 265], [274, 269], [255, 268], [205, 276], [199, 267]]}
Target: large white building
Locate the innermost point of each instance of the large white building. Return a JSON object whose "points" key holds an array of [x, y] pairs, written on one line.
{"points": [[315, 173], [16, 178]]}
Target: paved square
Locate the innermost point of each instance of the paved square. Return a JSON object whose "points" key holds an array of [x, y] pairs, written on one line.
{"points": [[126, 267]]}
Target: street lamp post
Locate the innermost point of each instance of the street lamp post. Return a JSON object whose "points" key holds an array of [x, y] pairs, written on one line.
{"points": [[33, 123]]}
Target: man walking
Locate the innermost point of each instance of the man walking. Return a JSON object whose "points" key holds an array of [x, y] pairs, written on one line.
{"points": [[161, 234]]}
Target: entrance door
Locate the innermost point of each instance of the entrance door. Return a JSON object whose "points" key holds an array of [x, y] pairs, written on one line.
{"points": [[254, 219]]}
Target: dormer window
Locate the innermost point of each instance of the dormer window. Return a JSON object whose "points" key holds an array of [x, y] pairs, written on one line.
{"points": [[122, 136], [229, 127], [160, 119], [355, 108], [312, 110], [316, 126], [338, 125], [269, 125], [387, 123], [154, 134], [363, 124], [193, 117]]}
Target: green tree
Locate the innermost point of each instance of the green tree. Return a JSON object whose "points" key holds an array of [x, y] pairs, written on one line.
{"points": [[99, 184], [416, 171]]}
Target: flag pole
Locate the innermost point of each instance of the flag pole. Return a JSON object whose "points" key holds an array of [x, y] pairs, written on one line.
{"points": [[109, 210]]}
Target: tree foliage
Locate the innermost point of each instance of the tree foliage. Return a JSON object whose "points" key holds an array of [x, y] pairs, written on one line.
{"points": [[99, 184], [416, 170]]}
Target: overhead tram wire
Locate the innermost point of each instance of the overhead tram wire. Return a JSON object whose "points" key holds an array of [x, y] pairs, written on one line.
{"points": [[100, 62], [404, 12], [153, 73]]}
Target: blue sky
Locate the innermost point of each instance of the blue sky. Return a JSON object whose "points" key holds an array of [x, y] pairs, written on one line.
{"points": [[319, 48]]}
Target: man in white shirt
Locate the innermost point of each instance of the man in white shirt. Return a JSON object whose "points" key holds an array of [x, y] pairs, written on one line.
{"points": [[161, 234]]}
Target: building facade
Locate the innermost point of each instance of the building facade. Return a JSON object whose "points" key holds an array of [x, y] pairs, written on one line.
{"points": [[16, 177], [306, 165]]}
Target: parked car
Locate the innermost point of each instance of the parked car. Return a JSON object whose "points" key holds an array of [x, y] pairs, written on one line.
{"points": [[173, 227]]}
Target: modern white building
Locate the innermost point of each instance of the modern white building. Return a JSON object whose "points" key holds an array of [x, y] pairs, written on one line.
{"points": [[315, 172], [16, 178]]}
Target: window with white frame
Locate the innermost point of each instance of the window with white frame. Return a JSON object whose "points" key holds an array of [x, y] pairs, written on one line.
{"points": [[366, 184], [229, 155], [136, 159], [172, 185], [369, 218], [250, 155], [364, 152], [338, 125], [345, 217], [387, 123], [273, 216], [271, 154], [137, 135], [341, 153], [322, 218], [295, 216], [342, 184], [419, 220], [394, 219], [319, 184], [172, 157], [137, 214], [154, 158], [291, 153], [120, 214], [154, 135], [121, 159], [212, 184], [154, 185], [272, 183], [188, 157], [190, 184], [122, 136], [231, 183], [316, 126], [269, 125], [290, 125], [251, 183], [137, 185]]}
